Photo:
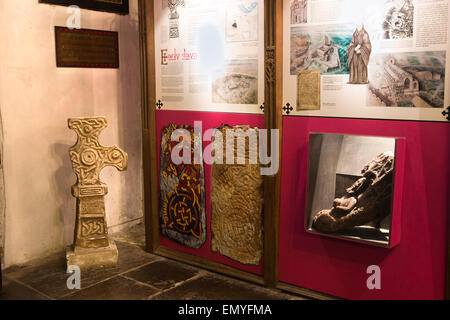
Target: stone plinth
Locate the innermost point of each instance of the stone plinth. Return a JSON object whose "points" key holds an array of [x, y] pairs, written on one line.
{"points": [[88, 259]]}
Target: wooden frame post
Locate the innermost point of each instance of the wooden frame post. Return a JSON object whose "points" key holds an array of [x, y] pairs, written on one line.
{"points": [[148, 83], [273, 60]]}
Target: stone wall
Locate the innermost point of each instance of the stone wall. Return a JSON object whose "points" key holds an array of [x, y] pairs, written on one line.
{"points": [[36, 99]]}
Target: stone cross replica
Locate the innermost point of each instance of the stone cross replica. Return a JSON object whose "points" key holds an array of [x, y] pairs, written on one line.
{"points": [[92, 248]]}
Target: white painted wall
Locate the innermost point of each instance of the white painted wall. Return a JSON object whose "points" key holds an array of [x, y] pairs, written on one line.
{"points": [[36, 99]]}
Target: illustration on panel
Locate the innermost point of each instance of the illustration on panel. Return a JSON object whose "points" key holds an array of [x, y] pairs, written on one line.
{"points": [[237, 83], [174, 16], [359, 52], [182, 186], [318, 48], [237, 195], [407, 79], [350, 187], [399, 19], [308, 90], [299, 11], [242, 22]]}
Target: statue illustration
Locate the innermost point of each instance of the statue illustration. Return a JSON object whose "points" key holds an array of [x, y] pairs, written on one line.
{"points": [[358, 56], [92, 247], [367, 200]]}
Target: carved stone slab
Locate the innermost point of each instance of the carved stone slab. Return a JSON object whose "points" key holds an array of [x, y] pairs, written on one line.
{"points": [[92, 247], [182, 203], [237, 201], [367, 200]]}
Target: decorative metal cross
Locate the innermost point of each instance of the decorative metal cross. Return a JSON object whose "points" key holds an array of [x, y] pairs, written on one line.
{"points": [[262, 107], [288, 108], [159, 104], [88, 159], [446, 114]]}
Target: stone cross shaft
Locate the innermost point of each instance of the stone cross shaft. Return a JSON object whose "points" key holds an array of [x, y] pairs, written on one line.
{"points": [[88, 158]]}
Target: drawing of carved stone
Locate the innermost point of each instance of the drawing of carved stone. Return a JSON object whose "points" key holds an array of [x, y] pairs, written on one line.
{"points": [[174, 16], [92, 248], [173, 8], [367, 200], [358, 57], [237, 198], [308, 90]]}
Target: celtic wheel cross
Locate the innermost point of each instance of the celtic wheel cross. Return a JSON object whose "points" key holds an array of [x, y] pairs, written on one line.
{"points": [[88, 158]]}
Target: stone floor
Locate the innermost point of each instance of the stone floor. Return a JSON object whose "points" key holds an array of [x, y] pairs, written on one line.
{"points": [[138, 276]]}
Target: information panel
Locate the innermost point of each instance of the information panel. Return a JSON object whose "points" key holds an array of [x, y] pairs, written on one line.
{"points": [[210, 55], [385, 59]]}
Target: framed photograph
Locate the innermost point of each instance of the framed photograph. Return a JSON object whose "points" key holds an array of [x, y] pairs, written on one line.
{"points": [[115, 6], [351, 183]]}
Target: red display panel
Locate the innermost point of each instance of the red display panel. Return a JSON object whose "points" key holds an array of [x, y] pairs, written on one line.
{"points": [[416, 268], [209, 120]]}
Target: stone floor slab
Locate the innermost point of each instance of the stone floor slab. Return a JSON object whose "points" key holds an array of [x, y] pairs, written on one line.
{"points": [[49, 276], [13, 290], [117, 288], [163, 274], [214, 287], [139, 275]]}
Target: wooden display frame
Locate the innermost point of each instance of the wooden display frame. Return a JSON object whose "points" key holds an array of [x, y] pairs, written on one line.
{"points": [[273, 120], [273, 113]]}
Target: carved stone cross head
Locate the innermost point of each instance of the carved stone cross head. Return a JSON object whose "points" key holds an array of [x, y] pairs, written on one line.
{"points": [[88, 156]]}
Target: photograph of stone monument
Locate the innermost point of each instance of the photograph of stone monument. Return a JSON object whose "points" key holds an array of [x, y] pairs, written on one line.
{"points": [[350, 186], [407, 79], [299, 11], [359, 52], [237, 83], [399, 19], [316, 48]]}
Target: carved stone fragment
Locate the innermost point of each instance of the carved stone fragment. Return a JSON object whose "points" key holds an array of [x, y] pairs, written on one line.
{"points": [[182, 204], [237, 196], [92, 248], [367, 200]]}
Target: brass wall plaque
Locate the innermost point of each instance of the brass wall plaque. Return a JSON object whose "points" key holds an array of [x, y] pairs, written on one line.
{"points": [[85, 48], [308, 90]]}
